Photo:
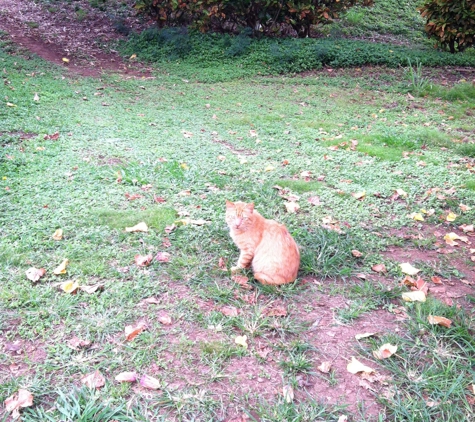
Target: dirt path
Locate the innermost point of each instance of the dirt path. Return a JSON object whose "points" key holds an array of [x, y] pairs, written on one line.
{"points": [[75, 31]]}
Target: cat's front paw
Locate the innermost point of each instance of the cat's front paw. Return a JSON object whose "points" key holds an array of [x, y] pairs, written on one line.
{"points": [[235, 269]]}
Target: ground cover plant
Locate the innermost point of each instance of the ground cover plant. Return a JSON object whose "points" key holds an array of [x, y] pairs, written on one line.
{"points": [[369, 169]]}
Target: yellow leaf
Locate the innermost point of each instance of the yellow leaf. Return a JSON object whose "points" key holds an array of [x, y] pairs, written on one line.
{"points": [[61, 269], [356, 366], [401, 192], [58, 234], [269, 168], [408, 269], [359, 195], [65, 60], [451, 216], [242, 341], [385, 351], [438, 320], [140, 227], [415, 296], [292, 207], [133, 56], [184, 166], [69, 286], [11, 105], [416, 216]]}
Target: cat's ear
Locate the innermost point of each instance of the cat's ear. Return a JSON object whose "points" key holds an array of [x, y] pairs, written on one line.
{"points": [[250, 207], [229, 204]]}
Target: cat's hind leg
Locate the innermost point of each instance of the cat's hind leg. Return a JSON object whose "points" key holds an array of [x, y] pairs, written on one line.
{"points": [[274, 280]]}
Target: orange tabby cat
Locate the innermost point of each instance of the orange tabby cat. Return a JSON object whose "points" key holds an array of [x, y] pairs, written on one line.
{"points": [[265, 244]]}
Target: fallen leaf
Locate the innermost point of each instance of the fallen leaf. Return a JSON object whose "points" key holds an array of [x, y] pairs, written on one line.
{"points": [[126, 377], [356, 366], [438, 320], [92, 288], [385, 351], [164, 318], [451, 237], [162, 257], [241, 341], [76, 343], [305, 174], [466, 228], [149, 382], [288, 393], [464, 208], [151, 300], [143, 260], [436, 280], [356, 253], [61, 269], [451, 216], [36, 97], [292, 207], [343, 418], [187, 134], [364, 335], [132, 331], [362, 276], [269, 168], [314, 200], [242, 280], [379, 268], [22, 398], [277, 310], [133, 196], [94, 380], [53, 137], [408, 269], [69, 286], [65, 60], [324, 367], [58, 234], [253, 133], [11, 105], [416, 216], [230, 311], [359, 195], [414, 296], [140, 227], [34, 274]]}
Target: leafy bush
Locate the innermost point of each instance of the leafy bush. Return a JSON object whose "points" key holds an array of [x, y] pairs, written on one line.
{"points": [[451, 22], [261, 16]]}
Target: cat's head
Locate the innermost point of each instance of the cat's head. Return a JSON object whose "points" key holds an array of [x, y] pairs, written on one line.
{"points": [[239, 215]]}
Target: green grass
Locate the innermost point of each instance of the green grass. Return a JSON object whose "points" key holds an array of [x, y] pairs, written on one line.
{"points": [[140, 146]]}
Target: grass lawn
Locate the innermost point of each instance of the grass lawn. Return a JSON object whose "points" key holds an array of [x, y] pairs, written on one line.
{"points": [[377, 172]]}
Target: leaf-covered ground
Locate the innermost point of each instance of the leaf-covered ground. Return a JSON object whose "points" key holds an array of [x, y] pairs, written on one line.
{"points": [[381, 176]]}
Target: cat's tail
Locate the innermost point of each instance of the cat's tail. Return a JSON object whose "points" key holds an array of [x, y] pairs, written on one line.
{"points": [[274, 280]]}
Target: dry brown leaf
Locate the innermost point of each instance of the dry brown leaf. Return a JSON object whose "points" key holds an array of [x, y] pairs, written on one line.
{"points": [[140, 227], [151, 300], [94, 380], [379, 268], [126, 377], [133, 196], [22, 398], [76, 343], [143, 260], [164, 318], [34, 274], [162, 257], [230, 311], [314, 200], [92, 289], [53, 137], [61, 269], [356, 366], [464, 208], [242, 280], [356, 253], [385, 351], [466, 228], [436, 280], [132, 331], [222, 263], [438, 320], [149, 382], [278, 310], [58, 234], [325, 367]]}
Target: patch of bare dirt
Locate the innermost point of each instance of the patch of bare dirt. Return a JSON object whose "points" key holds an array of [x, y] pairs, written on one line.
{"points": [[75, 31]]}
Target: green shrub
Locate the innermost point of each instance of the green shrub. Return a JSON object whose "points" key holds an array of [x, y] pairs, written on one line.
{"points": [[261, 16], [451, 22]]}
